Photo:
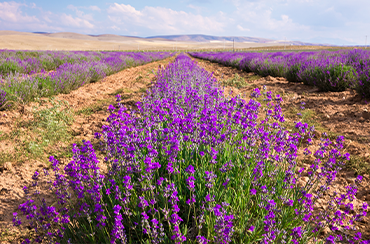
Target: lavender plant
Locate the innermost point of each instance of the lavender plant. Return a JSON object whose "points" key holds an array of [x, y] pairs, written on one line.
{"points": [[2, 99], [192, 166], [329, 71], [26, 78]]}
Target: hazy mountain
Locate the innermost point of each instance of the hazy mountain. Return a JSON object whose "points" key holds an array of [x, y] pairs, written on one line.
{"points": [[103, 37], [165, 38], [207, 38]]}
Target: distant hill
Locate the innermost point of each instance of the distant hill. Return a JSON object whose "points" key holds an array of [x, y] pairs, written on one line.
{"points": [[103, 37], [168, 38], [76, 41], [208, 38]]}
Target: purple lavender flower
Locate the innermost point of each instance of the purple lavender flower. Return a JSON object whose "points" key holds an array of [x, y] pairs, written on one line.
{"points": [[210, 176], [190, 181], [190, 169], [118, 232], [256, 93]]}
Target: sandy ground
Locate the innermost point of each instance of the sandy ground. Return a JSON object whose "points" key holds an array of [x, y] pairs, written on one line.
{"points": [[340, 113], [72, 41]]}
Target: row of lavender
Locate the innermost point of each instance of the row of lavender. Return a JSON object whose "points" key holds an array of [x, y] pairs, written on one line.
{"points": [[329, 71], [191, 166], [27, 74], [31, 62]]}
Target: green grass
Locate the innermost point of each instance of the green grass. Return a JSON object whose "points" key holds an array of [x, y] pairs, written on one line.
{"points": [[358, 164], [139, 79], [6, 157], [96, 107], [34, 139], [236, 81], [308, 116], [123, 91], [4, 136], [254, 77], [142, 90], [52, 125], [116, 92]]}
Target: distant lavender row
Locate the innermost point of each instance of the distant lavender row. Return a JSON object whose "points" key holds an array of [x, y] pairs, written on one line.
{"points": [[70, 70], [191, 166], [31, 62], [329, 71]]}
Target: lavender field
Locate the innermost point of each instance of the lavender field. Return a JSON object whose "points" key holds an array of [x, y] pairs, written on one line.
{"points": [[192, 166], [25, 75], [327, 70]]}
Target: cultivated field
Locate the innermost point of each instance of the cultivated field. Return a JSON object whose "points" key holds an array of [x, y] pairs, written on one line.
{"points": [[191, 151], [72, 41]]}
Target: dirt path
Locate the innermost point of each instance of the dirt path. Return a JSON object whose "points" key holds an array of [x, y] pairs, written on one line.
{"points": [[89, 105], [337, 113]]}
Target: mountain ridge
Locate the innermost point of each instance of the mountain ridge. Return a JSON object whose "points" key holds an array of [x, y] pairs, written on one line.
{"points": [[196, 38]]}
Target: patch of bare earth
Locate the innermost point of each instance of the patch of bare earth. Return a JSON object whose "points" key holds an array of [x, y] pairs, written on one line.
{"points": [[337, 113], [89, 104]]}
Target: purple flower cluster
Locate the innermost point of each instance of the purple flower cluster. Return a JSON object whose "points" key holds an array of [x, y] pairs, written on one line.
{"points": [[2, 99], [328, 70], [186, 143], [54, 72]]}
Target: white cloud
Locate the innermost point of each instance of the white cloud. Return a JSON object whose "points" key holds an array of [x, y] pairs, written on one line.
{"points": [[332, 21], [335, 21], [94, 8], [14, 16], [242, 28], [196, 8], [260, 16], [81, 14], [69, 20], [11, 12], [116, 28], [162, 19]]}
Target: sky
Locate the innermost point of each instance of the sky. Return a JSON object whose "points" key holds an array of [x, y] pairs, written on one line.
{"points": [[340, 22]]}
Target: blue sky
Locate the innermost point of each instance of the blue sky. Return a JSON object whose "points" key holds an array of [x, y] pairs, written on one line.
{"points": [[340, 22]]}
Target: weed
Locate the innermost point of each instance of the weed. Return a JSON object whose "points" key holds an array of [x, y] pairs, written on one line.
{"points": [[121, 91], [254, 77], [139, 79], [359, 164], [116, 92], [142, 90], [49, 127], [363, 139], [307, 116], [98, 106], [6, 157], [236, 81], [4, 136]]}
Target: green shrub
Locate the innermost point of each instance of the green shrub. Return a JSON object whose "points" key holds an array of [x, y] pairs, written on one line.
{"points": [[332, 78], [291, 74], [9, 67]]}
